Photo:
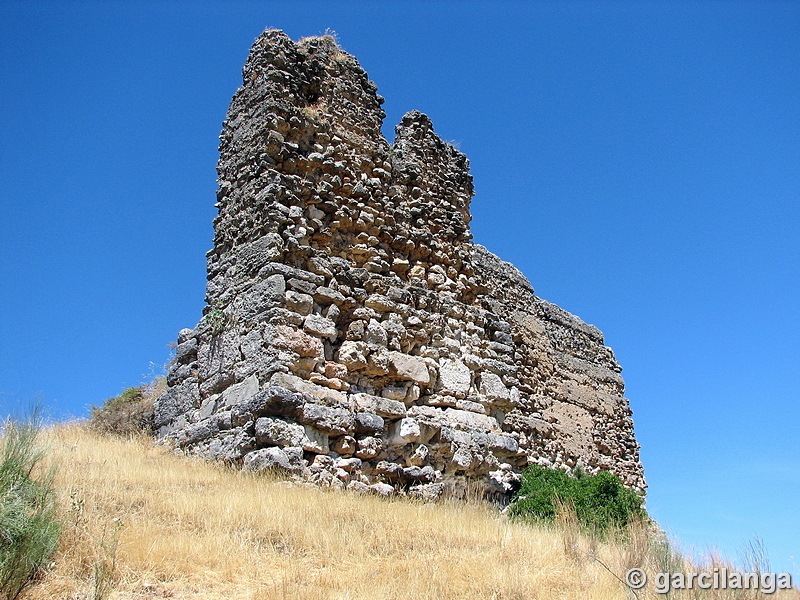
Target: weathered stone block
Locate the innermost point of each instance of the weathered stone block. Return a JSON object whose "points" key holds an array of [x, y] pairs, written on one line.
{"points": [[325, 295], [380, 303], [378, 363], [351, 465], [298, 384], [230, 445], [344, 445], [369, 448], [299, 302], [368, 423], [470, 420], [278, 432], [240, 392], [493, 387], [353, 355], [411, 368], [454, 377], [320, 326], [405, 431], [262, 296], [176, 401], [332, 420], [186, 350], [333, 369], [255, 255], [394, 392], [283, 459], [390, 409], [275, 431], [274, 400], [502, 445], [375, 335], [283, 336]]}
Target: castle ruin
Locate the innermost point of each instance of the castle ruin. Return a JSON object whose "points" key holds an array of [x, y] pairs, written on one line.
{"points": [[354, 335]]}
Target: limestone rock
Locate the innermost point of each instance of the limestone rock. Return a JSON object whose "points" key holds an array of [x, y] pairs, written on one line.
{"points": [[320, 326], [285, 459], [384, 407], [404, 432], [280, 432], [353, 355], [332, 420], [411, 368], [454, 378]]}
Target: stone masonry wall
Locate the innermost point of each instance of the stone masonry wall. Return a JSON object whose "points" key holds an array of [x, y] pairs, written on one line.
{"points": [[353, 334]]}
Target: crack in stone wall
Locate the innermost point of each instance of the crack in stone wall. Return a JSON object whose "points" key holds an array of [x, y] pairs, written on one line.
{"points": [[354, 335]]}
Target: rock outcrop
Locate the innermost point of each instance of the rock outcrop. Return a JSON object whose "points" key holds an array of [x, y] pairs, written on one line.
{"points": [[354, 335]]}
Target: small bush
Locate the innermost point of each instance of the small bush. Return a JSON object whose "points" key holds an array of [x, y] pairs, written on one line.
{"points": [[129, 413], [600, 501], [29, 529]]}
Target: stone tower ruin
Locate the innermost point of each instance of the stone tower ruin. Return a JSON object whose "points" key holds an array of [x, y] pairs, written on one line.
{"points": [[354, 335]]}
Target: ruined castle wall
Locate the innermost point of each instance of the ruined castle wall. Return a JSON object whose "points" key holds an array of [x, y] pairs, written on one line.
{"points": [[353, 334]]}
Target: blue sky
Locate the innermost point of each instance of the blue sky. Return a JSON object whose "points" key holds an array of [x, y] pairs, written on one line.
{"points": [[638, 161]]}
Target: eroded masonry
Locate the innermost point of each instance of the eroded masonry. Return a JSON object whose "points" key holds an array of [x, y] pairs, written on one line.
{"points": [[354, 336]]}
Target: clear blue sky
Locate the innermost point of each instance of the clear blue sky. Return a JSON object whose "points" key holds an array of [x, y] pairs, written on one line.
{"points": [[638, 161]]}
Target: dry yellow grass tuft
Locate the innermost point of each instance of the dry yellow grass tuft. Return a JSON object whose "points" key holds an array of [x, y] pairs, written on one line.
{"points": [[141, 523]]}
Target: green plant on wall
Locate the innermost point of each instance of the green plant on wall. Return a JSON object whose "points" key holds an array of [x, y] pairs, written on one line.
{"points": [[216, 318]]}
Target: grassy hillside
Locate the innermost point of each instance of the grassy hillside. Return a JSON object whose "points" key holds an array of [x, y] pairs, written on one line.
{"points": [[140, 522]]}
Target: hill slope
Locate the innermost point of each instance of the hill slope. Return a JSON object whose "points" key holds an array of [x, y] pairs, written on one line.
{"points": [[141, 522]]}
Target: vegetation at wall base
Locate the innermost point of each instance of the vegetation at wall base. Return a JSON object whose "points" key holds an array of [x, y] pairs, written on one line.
{"points": [[600, 501], [29, 527], [131, 412]]}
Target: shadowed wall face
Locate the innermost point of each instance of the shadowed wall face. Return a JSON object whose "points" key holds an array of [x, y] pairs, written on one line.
{"points": [[354, 335]]}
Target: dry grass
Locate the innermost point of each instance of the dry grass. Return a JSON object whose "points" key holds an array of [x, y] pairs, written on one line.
{"points": [[187, 529], [131, 412]]}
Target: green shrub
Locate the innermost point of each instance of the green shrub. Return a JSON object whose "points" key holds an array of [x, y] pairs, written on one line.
{"points": [[29, 530], [600, 501], [129, 413]]}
